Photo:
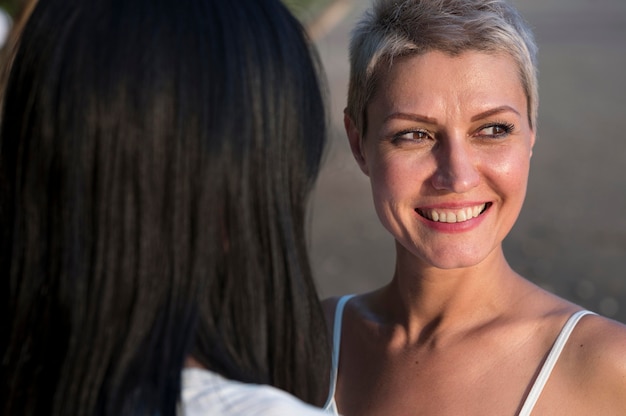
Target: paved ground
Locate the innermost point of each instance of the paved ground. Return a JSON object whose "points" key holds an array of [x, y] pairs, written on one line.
{"points": [[571, 235]]}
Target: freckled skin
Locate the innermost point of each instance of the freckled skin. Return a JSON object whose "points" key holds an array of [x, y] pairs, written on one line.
{"points": [[458, 164]]}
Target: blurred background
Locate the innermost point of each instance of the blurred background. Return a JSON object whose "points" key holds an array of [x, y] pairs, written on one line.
{"points": [[571, 235]]}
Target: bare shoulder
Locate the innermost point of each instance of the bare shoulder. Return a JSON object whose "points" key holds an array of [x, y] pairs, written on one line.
{"points": [[601, 339], [597, 358], [356, 306]]}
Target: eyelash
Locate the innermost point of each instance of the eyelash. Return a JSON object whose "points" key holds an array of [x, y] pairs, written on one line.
{"points": [[507, 128], [398, 136]]}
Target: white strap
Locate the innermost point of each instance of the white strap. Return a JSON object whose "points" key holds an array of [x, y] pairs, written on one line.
{"points": [[548, 366], [331, 406]]}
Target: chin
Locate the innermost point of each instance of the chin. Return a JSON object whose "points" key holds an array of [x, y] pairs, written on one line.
{"points": [[450, 258]]}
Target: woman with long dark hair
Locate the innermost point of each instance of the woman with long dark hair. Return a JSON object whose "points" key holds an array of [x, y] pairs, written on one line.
{"points": [[156, 159]]}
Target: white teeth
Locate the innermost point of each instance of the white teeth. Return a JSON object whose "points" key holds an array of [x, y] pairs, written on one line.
{"points": [[453, 216]]}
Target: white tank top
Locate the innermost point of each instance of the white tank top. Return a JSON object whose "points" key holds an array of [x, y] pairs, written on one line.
{"points": [[331, 406]]}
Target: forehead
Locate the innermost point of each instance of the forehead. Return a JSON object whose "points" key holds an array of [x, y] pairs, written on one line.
{"points": [[437, 81]]}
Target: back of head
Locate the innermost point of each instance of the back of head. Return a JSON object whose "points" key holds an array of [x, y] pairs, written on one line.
{"points": [[155, 162], [393, 29]]}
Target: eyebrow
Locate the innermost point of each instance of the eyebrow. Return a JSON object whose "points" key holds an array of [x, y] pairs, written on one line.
{"points": [[494, 111], [432, 120], [411, 117]]}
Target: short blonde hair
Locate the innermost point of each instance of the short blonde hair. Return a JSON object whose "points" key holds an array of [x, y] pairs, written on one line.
{"points": [[395, 28]]}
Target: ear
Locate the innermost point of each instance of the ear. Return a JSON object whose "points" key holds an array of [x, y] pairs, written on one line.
{"points": [[356, 142]]}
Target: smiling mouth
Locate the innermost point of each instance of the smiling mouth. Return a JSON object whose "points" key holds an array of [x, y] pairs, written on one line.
{"points": [[453, 215]]}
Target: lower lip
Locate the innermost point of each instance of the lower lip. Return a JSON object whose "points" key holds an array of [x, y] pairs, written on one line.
{"points": [[454, 227]]}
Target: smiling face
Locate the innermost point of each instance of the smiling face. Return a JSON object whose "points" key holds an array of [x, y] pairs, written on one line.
{"points": [[447, 150]]}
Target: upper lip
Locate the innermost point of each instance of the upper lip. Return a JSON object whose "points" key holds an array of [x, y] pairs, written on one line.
{"points": [[453, 205]]}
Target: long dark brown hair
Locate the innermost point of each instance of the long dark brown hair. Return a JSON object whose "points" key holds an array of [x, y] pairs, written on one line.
{"points": [[156, 157]]}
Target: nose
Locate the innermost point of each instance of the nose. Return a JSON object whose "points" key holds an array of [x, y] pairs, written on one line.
{"points": [[457, 167]]}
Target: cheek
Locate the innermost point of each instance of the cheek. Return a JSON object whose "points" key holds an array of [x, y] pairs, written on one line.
{"points": [[394, 177], [392, 185], [510, 173], [397, 180]]}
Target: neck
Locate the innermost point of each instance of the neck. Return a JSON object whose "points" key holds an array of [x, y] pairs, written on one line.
{"points": [[444, 300]]}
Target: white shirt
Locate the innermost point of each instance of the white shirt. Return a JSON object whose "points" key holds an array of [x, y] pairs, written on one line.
{"points": [[206, 393]]}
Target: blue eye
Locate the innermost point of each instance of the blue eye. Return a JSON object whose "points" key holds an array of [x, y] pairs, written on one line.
{"points": [[496, 130]]}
